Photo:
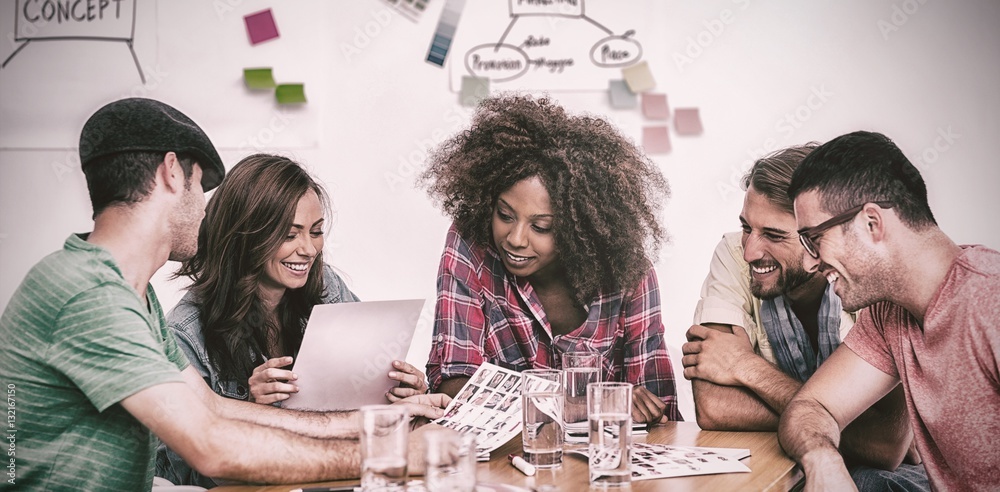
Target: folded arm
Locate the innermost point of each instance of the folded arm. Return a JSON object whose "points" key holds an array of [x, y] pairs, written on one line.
{"points": [[734, 388]]}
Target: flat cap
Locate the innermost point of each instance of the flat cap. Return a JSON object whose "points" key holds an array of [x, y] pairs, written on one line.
{"points": [[138, 124]]}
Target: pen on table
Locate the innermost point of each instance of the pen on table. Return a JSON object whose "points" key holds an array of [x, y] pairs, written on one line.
{"points": [[519, 463], [343, 488]]}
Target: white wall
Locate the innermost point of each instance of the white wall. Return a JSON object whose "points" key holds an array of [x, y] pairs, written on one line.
{"points": [[373, 114]]}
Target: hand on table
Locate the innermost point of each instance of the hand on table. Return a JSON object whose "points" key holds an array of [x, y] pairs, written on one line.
{"points": [[269, 383], [715, 356], [411, 381], [647, 408]]}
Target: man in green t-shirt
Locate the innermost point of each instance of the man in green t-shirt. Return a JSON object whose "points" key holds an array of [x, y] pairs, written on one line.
{"points": [[96, 375]]}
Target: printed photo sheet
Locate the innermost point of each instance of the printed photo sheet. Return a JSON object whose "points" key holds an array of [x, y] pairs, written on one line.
{"points": [[489, 405], [650, 461]]}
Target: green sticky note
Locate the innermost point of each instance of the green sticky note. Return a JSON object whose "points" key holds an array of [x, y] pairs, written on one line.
{"points": [[290, 93], [258, 78]]}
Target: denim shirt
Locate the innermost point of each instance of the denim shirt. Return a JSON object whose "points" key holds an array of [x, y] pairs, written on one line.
{"points": [[185, 323]]}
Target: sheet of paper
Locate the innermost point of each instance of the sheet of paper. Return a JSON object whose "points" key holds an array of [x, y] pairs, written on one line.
{"points": [[258, 78], [347, 353], [489, 405], [261, 26], [655, 140], [638, 77], [621, 96], [687, 121], [651, 461], [654, 106], [474, 89], [290, 93]]}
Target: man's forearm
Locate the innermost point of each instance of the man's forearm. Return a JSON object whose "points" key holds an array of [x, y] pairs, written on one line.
{"points": [[731, 408], [771, 385], [232, 457], [807, 427], [321, 425]]}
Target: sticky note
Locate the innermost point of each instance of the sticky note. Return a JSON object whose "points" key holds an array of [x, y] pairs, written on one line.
{"points": [[655, 139], [687, 121], [261, 26], [654, 106], [638, 77], [474, 89], [621, 96], [258, 78], [290, 93]]}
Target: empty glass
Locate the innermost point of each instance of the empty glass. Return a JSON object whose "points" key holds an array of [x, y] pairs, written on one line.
{"points": [[451, 461], [385, 431]]}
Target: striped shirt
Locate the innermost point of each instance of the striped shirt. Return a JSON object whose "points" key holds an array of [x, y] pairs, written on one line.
{"points": [[486, 314], [76, 341]]}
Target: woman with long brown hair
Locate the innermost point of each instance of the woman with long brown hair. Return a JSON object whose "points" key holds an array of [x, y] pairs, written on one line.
{"points": [[257, 274]]}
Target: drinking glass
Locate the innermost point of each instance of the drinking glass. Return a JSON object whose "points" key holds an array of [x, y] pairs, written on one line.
{"points": [[580, 369], [609, 409], [542, 406], [385, 431], [451, 461]]}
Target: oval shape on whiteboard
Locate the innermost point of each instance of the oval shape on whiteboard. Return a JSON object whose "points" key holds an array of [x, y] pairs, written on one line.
{"points": [[616, 51], [498, 63]]}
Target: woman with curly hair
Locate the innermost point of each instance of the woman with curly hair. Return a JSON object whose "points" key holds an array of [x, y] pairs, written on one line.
{"points": [[257, 274], [555, 222]]}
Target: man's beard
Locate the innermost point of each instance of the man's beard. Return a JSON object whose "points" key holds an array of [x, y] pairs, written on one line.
{"points": [[788, 280]]}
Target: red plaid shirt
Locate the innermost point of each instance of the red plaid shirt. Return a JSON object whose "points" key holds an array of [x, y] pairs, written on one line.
{"points": [[486, 314]]}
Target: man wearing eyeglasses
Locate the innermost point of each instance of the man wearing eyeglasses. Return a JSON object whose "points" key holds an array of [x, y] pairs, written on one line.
{"points": [[764, 324], [932, 310]]}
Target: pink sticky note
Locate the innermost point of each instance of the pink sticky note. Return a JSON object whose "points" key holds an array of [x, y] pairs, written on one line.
{"points": [[687, 121], [655, 139], [654, 106], [261, 26]]}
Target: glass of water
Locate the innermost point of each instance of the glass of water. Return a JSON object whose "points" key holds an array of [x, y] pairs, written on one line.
{"points": [[542, 408], [385, 431], [579, 369], [609, 409], [451, 461]]}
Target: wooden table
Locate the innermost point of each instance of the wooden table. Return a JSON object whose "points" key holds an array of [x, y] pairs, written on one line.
{"points": [[771, 469]]}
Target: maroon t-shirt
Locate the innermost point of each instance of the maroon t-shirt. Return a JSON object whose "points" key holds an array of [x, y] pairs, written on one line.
{"points": [[948, 370]]}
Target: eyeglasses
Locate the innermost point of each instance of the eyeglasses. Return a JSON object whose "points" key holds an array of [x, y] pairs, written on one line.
{"points": [[809, 235]]}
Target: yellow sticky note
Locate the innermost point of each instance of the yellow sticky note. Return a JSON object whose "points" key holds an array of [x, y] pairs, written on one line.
{"points": [[638, 77], [290, 93], [258, 78]]}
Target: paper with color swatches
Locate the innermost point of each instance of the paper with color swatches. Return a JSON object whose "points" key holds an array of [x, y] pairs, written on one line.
{"points": [[445, 32]]}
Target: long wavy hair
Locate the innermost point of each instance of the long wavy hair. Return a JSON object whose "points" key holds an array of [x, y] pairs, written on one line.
{"points": [[605, 192], [245, 223]]}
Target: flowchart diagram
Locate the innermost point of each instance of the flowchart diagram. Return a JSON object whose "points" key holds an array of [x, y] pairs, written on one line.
{"points": [[547, 45]]}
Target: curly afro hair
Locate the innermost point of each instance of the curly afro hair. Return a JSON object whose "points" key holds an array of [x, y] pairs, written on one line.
{"points": [[605, 193]]}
